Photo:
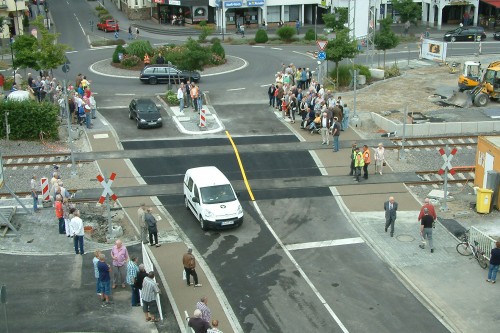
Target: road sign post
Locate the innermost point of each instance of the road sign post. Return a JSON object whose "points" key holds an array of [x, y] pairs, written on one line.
{"points": [[106, 194], [3, 300], [445, 168]]}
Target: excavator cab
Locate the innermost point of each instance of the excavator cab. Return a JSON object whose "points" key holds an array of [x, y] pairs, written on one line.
{"points": [[470, 76]]}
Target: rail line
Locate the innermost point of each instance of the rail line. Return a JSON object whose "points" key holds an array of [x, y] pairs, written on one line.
{"points": [[13, 161], [468, 141]]}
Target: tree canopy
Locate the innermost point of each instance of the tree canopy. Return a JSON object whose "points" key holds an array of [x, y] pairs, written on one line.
{"points": [[385, 38], [341, 47], [408, 10], [336, 20]]}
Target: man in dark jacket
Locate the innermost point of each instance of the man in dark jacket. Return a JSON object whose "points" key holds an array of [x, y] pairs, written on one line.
{"points": [[152, 229], [197, 323], [270, 92]]}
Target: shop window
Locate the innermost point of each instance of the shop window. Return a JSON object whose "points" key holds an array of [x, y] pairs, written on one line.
{"points": [[273, 14], [293, 12]]}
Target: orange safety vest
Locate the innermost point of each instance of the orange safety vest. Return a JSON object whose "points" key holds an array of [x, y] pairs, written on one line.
{"points": [[146, 59], [367, 156]]}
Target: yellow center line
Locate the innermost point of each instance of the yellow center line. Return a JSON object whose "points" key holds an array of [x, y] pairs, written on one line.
{"points": [[241, 166]]}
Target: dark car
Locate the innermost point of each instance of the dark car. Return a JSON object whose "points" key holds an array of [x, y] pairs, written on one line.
{"points": [[145, 112], [35, 2], [496, 35], [154, 74], [465, 34]]}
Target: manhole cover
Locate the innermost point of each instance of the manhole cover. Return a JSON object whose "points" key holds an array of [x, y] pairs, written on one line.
{"points": [[405, 238]]}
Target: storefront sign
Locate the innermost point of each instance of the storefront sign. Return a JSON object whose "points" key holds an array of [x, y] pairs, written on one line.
{"points": [[233, 4], [174, 2], [255, 3], [200, 13]]}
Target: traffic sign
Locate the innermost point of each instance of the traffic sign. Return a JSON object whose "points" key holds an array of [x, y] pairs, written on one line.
{"points": [[322, 44], [107, 188], [447, 159], [322, 55]]}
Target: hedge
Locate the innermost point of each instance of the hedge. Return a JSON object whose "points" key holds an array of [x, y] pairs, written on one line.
{"points": [[28, 118]]}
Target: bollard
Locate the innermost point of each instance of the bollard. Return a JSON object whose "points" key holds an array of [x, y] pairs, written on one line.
{"points": [[203, 119], [45, 192]]}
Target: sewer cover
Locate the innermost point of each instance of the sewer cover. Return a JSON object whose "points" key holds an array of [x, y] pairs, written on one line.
{"points": [[405, 238]]}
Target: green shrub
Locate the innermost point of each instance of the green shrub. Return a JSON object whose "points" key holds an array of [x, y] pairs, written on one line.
{"points": [[217, 49], [171, 98], [28, 118], [392, 72], [8, 83], [261, 36], [286, 33], [363, 70], [205, 32], [104, 17], [203, 23], [119, 49], [139, 48], [215, 40], [108, 42], [310, 35], [130, 60], [99, 8]]}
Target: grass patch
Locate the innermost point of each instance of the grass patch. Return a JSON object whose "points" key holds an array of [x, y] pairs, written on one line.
{"points": [[108, 42]]}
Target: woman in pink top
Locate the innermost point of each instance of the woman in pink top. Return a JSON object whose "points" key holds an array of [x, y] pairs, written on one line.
{"points": [[119, 254]]}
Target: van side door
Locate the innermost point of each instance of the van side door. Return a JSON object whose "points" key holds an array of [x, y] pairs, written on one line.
{"points": [[196, 205]]}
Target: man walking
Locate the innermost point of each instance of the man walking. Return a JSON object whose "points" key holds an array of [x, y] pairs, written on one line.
{"points": [[426, 230], [132, 270], [34, 193], [149, 291], [390, 208], [367, 158], [189, 263], [206, 314], [119, 254], [76, 230], [152, 228], [336, 134], [142, 222], [104, 279], [359, 162], [430, 208]]}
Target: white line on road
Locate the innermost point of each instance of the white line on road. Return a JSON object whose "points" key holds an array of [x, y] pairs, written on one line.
{"points": [[236, 89], [333, 242], [118, 94], [114, 107], [304, 54], [301, 271], [258, 46], [68, 52], [276, 48], [265, 85]]}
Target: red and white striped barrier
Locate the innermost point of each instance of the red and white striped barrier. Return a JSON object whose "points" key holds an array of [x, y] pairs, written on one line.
{"points": [[447, 161], [45, 189], [107, 188], [203, 119]]}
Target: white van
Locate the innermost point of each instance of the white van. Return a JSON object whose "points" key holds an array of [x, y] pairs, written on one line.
{"points": [[211, 198]]}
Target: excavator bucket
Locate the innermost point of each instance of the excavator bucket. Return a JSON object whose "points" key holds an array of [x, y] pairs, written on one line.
{"points": [[460, 99]]}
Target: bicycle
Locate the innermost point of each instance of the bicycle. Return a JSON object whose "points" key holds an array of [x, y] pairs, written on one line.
{"points": [[465, 248]]}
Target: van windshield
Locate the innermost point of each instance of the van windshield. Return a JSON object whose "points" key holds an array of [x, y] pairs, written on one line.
{"points": [[217, 194]]}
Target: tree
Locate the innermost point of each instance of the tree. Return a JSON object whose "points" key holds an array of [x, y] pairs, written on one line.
{"points": [[26, 52], [336, 20], [51, 53], [385, 38], [408, 10], [341, 47]]}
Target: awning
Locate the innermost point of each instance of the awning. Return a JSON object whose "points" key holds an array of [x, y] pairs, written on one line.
{"points": [[495, 3]]}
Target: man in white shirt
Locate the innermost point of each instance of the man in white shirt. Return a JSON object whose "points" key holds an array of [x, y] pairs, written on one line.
{"points": [[34, 193], [180, 97], [76, 230], [325, 127]]}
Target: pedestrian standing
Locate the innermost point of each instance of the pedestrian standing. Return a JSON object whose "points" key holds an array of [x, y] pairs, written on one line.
{"points": [[60, 214], [104, 279], [180, 97], [270, 92], [140, 276], [352, 158], [189, 263], [358, 163], [141, 212], [379, 158], [76, 230], [130, 32], [88, 116], [494, 263], [194, 96], [136, 33], [95, 261], [390, 208], [367, 158], [430, 207], [132, 270], [336, 134], [152, 227], [149, 291], [326, 123], [426, 230], [34, 193], [93, 106], [197, 324], [215, 327], [297, 26], [119, 254], [202, 305]]}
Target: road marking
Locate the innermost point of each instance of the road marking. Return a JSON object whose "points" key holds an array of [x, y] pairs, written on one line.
{"points": [[114, 107], [300, 270], [276, 48], [118, 94], [243, 174], [96, 48], [68, 52], [305, 54], [236, 89], [258, 46], [333, 242], [265, 85]]}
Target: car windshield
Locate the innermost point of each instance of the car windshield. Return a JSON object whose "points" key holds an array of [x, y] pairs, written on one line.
{"points": [[146, 107], [217, 194]]}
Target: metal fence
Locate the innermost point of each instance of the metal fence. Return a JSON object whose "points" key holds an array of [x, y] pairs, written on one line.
{"points": [[148, 265], [186, 320], [485, 242]]}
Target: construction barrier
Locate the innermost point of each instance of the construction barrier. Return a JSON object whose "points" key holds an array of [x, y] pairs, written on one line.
{"points": [[45, 189], [203, 119], [484, 242]]}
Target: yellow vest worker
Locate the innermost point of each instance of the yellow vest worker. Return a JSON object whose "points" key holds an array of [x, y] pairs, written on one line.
{"points": [[359, 162]]}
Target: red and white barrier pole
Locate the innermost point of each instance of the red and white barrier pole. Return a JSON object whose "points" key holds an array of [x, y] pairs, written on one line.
{"points": [[203, 119], [45, 189]]}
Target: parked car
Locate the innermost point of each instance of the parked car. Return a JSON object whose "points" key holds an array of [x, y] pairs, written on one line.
{"points": [[145, 112], [154, 74], [465, 34], [108, 25], [496, 35], [35, 2]]}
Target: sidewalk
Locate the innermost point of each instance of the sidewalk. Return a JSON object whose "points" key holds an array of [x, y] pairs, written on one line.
{"points": [[453, 287], [167, 258]]}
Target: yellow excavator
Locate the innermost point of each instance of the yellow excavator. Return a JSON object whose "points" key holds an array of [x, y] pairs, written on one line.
{"points": [[480, 88]]}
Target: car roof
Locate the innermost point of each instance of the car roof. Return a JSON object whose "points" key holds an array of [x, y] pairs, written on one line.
{"points": [[207, 176], [145, 100], [160, 65]]}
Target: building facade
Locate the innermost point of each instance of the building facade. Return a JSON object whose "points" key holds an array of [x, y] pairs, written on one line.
{"points": [[12, 12]]}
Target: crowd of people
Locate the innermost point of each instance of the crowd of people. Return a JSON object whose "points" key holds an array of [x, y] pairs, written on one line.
{"points": [[190, 95]]}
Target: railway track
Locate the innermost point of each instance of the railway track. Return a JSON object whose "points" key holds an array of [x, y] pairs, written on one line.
{"points": [[436, 142], [462, 176], [38, 160]]}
